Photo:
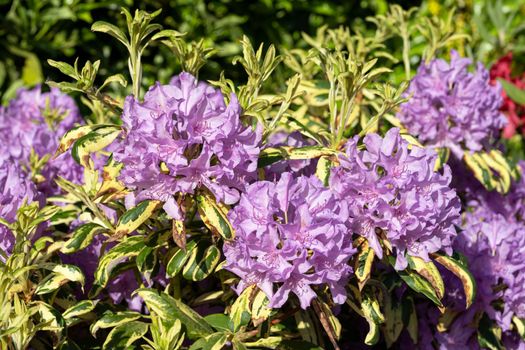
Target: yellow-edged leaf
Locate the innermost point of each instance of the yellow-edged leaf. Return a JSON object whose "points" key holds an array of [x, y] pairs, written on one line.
{"points": [[214, 216], [135, 217], [455, 266], [430, 272]]}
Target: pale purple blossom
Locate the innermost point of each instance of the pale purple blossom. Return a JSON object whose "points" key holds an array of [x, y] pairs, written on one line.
{"points": [[451, 107], [184, 137], [290, 235], [35, 121], [393, 191]]}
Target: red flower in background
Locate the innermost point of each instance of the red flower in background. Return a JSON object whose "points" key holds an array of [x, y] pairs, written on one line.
{"points": [[514, 112]]}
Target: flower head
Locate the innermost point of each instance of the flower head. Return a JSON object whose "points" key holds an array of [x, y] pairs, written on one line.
{"points": [[292, 233], [393, 190], [451, 107], [184, 136], [33, 123], [494, 246]]}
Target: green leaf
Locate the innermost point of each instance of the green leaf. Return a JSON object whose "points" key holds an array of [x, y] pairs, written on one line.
{"points": [[372, 313], [123, 336], [363, 261], [514, 92], [128, 248], [260, 310], [94, 141], [146, 261], [113, 30], [60, 275], [72, 136], [428, 271], [333, 321], [458, 268], [393, 321], [65, 68], [82, 237], [136, 216], [32, 71], [519, 324], [410, 318], [214, 341], [169, 308], [50, 319], [273, 154], [116, 78], [69, 345], [167, 33], [81, 308], [268, 343], [220, 322], [111, 186], [240, 310], [179, 258], [238, 345], [492, 170], [417, 283], [214, 216], [443, 156], [306, 326], [110, 320], [202, 262], [323, 169], [372, 337], [489, 336]]}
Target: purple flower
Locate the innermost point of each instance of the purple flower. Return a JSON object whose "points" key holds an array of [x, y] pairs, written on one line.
{"points": [[494, 246], [292, 233], [298, 167], [182, 137], [451, 107], [392, 190], [34, 122], [15, 188]]}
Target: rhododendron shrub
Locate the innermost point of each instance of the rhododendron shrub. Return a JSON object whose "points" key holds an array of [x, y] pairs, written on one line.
{"points": [[320, 203]]}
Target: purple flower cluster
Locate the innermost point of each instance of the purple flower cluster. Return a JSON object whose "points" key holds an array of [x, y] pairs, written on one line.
{"points": [[184, 136], [34, 122], [392, 190], [292, 233], [451, 107], [493, 243], [15, 188], [495, 246]]}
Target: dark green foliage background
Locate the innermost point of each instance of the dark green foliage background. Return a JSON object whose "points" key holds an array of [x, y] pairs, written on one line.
{"points": [[60, 30]]}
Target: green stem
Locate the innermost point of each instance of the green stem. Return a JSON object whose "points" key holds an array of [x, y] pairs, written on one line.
{"points": [[135, 70], [406, 52]]}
